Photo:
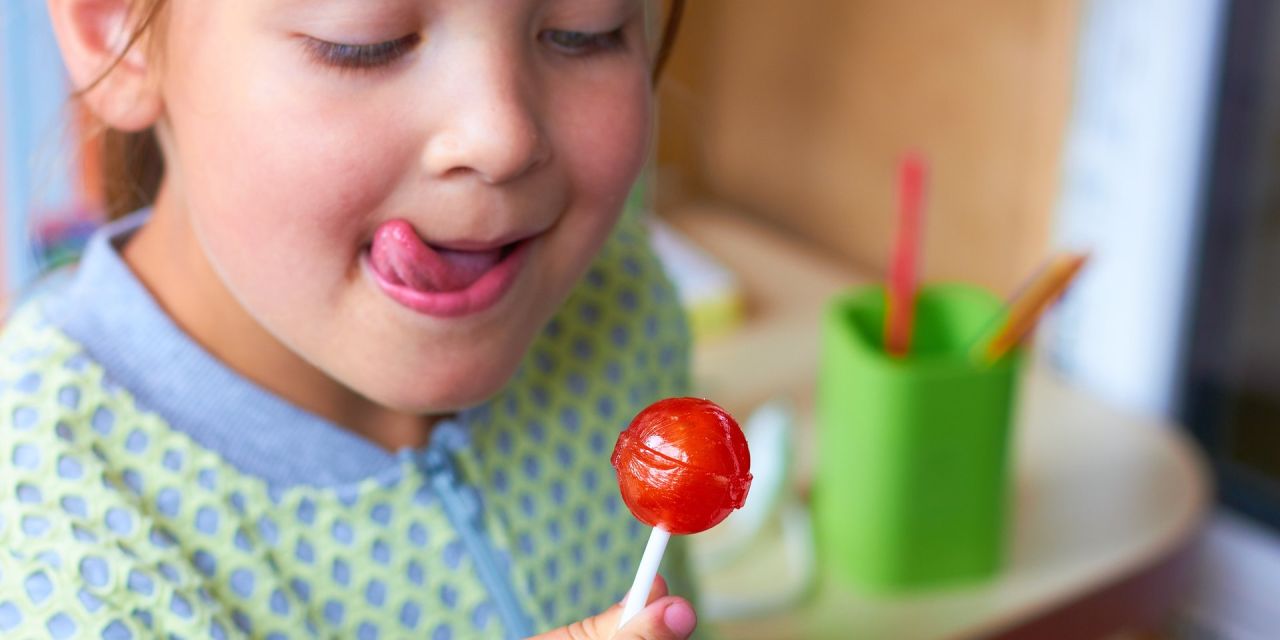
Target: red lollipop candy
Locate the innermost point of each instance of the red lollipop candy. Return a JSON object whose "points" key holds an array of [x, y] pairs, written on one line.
{"points": [[683, 465]]}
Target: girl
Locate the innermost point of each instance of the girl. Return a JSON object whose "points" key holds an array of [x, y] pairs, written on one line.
{"points": [[354, 366]]}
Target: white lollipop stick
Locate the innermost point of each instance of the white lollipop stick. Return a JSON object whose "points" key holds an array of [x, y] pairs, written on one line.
{"points": [[648, 570]]}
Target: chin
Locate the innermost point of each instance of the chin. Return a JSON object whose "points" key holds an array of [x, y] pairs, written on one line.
{"points": [[447, 392]]}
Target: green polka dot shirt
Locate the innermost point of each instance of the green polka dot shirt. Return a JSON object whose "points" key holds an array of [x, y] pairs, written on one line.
{"points": [[147, 491]]}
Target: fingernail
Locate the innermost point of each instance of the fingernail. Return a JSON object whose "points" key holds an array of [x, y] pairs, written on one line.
{"points": [[679, 618]]}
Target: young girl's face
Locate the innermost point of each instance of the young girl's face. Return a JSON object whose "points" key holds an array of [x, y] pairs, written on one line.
{"points": [[402, 191]]}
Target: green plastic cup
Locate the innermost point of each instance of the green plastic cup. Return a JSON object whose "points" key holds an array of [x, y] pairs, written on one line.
{"points": [[912, 480]]}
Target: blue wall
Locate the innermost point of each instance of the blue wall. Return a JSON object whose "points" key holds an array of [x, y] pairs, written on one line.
{"points": [[34, 156]]}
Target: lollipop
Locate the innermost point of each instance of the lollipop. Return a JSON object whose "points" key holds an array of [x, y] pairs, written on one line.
{"points": [[682, 466]]}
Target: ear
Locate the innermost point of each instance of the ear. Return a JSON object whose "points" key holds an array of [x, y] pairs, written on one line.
{"points": [[92, 35]]}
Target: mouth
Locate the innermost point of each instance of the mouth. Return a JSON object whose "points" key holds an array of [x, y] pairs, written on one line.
{"points": [[442, 280]]}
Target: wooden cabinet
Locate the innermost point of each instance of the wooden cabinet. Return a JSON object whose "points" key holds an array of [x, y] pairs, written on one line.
{"points": [[798, 111]]}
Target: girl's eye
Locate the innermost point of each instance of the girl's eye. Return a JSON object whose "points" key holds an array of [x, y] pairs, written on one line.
{"points": [[361, 56], [581, 43]]}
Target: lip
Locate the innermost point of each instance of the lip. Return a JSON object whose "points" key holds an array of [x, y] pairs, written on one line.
{"points": [[479, 296], [481, 245]]}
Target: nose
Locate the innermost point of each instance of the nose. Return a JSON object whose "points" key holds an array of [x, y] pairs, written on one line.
{"points": [[493, 129]]}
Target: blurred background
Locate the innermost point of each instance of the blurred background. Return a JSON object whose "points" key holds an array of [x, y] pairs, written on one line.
{"points": [[1142, 131]]}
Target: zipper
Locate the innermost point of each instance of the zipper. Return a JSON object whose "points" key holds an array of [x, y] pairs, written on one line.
{"points": [[467, 519]]}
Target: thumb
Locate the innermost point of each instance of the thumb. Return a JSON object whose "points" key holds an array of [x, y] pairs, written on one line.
{"points": [[667, 618]]}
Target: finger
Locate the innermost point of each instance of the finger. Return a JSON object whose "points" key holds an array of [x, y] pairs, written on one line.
{"points": [[658, 590], [607, 622], [668, 618], [605, 625]]}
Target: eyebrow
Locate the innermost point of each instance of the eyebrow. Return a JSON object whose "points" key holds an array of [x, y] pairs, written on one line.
{"points": [[337, 10], [323, 5]]}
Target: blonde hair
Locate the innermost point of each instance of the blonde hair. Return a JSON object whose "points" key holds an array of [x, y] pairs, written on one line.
{"points": [[131, 164]]}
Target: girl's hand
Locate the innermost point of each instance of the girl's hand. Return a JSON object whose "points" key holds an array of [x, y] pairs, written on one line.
{"points": [[664, 618]]}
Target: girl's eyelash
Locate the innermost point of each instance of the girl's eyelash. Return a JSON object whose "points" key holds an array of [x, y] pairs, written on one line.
{"points": [[583, 43], [360, 56], [372, 56]]}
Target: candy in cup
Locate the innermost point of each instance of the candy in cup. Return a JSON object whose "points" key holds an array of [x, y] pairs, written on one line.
{"points": [[682, 466]]}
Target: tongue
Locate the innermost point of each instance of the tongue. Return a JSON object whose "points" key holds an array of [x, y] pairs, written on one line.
{"points": [[400, 256]]}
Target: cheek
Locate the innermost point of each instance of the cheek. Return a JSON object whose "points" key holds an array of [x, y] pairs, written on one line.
{"points": [[273, 175], [612, 140], [607, 140], [296, 163], [603, 140]]}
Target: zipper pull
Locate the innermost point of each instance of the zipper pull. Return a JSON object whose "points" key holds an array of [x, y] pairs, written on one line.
{"points": [[438, 467], [442, 473]]}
